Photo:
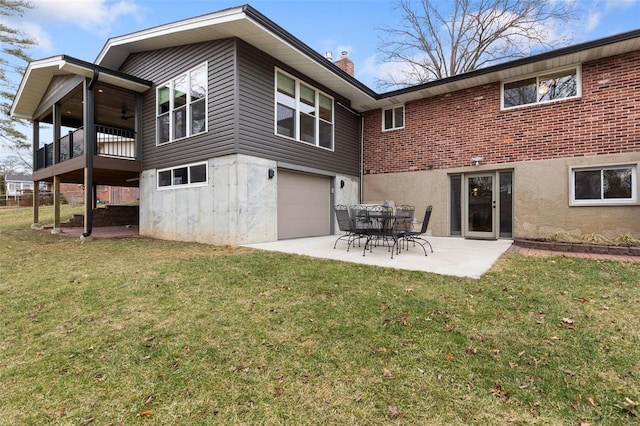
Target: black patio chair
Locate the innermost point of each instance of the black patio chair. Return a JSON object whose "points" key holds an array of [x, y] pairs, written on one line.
{"points": [[415, 237], [403, 223], [379, 222], [345, 224]]}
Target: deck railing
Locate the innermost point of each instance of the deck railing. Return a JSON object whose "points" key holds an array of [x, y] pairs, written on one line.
{"points": [[110, 141]]}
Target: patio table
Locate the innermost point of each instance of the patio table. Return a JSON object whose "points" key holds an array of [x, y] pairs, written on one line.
{"points": [[384, 227]]}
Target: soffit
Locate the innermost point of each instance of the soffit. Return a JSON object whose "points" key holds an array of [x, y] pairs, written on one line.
{"points": [[39, 75], [573, 55], [247, 24]]}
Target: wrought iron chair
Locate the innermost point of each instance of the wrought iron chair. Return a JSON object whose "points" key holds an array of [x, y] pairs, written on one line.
{"points": [[403, 223], [345, 224], [415, 237], [379, 220]]}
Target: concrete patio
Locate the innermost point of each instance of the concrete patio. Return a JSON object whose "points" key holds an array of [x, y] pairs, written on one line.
{"points": [[451, 256]]}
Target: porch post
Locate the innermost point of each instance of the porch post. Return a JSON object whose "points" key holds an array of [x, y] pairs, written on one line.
{"points": [[57, 121], [56, 205], [36, 204], [89, 148], [34, 166]]}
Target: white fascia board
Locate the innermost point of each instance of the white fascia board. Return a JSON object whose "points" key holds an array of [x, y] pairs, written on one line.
{"points": [[158, 32], [21, 98]]}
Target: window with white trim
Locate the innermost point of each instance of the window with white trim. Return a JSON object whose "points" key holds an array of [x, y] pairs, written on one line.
{"points": [[548, 87], [393, 118], [181, 106], [188, 175], [603, 185], [303, 112]]}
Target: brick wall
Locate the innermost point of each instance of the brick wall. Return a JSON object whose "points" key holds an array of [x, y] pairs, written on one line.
{"points": [[446, 131]]}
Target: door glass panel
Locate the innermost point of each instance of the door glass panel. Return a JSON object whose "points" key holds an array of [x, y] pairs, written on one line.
{"points": [[480, 204], [506, 204], [456, 205]]}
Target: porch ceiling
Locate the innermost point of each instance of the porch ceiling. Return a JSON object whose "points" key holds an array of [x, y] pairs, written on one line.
{"points": [[40, 74]]}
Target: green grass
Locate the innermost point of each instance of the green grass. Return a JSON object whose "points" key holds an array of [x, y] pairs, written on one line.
{"points": [[140, 331]]}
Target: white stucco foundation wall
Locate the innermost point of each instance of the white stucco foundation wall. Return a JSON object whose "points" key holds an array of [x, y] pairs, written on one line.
{"points": [[347, 195], [541, 197], [237, 206]]}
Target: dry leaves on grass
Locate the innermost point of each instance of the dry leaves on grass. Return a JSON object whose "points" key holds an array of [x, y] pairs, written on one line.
{"points": [[388, 374], [568, 323], [394, 413]]}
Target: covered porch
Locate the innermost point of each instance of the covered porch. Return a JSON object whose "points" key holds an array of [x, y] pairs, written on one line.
{"points": [[86, 122]]}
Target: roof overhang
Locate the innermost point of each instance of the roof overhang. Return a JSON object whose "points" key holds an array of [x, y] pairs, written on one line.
{"points": [[572, 55], [246, 23], [38, 76]]}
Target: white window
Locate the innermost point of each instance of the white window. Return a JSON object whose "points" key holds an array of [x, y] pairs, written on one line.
{"points": [[548, 87], [181, 106], [302, 112], [603, 185], [188, 175], [393, 118]]}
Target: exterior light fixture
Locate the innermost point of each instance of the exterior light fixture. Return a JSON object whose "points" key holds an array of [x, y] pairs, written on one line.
{"points": [[476, 160], [271, 173], [341, 183]]}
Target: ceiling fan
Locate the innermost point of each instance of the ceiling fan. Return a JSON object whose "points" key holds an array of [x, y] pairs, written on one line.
{"points": [[124, 115]]}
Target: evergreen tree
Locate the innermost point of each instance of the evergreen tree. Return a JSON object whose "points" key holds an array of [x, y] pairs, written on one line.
{"points": [[13, 61]]}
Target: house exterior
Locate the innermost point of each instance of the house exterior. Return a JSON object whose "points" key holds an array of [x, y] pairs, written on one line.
{"points": [[236, 132], [15, 185]]}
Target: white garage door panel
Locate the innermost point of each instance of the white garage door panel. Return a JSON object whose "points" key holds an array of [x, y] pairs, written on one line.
{"points": [[304, 205]]}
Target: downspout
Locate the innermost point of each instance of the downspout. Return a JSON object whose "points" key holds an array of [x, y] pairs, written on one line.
{"points": [[90, 142], [361, 157]]}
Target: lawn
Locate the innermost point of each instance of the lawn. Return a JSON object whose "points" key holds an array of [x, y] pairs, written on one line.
{"points": [[141, 331]]}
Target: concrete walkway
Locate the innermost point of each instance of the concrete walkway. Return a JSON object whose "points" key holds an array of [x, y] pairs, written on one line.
{"points": [[451, 256]]}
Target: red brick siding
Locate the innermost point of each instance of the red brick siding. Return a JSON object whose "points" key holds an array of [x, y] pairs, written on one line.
{"points": [[446, 131]]}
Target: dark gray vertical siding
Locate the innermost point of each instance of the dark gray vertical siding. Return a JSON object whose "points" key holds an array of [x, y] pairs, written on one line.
{"points": [[161, 66], [256, 120], [241, 110]]}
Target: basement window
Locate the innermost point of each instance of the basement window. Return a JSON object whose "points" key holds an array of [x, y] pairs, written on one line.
{"points": [[181, 176], [603, 185]]}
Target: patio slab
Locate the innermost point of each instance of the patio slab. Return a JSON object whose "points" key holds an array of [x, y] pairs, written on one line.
{"points": [[451, 256]]}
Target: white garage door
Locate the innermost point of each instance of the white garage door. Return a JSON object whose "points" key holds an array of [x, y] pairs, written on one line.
{"points": [[304, 205]]}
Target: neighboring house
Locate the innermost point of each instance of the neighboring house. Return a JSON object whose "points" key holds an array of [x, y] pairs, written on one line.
{"points": [[16, 187], [237, 132], [19, 190], [16, 184]]}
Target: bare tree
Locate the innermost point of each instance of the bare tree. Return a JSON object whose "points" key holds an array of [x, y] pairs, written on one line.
{"points": [[13, 60], [438, 39]]}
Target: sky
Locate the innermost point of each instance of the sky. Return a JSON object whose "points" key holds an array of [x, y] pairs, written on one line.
{"points": [[80, 28]]}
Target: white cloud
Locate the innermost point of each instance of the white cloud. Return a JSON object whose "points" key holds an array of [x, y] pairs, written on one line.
{"points": [[592, 20], [35, 31], [620, 4], [93, 16]]}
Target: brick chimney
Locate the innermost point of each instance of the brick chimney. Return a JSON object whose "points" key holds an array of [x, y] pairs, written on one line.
{"points": [[345, 64]]}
